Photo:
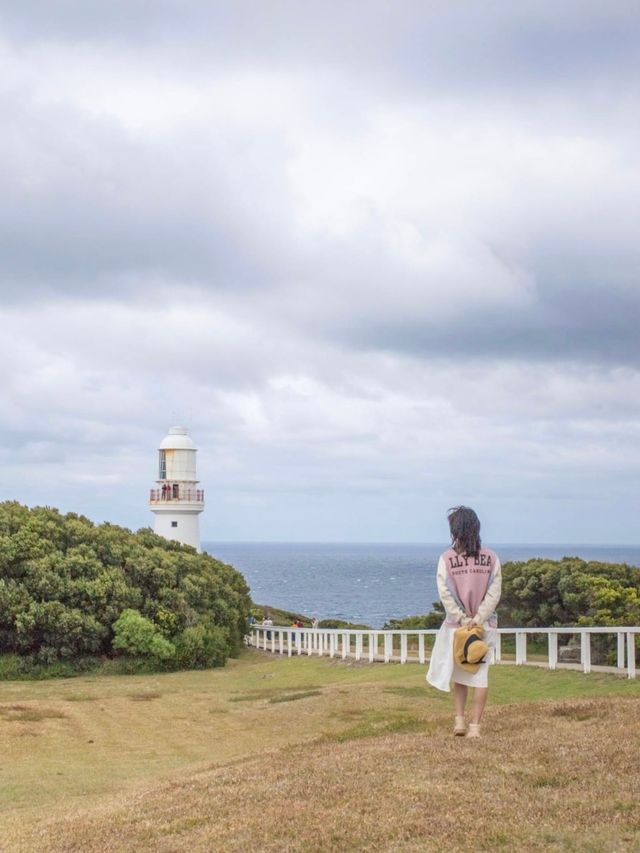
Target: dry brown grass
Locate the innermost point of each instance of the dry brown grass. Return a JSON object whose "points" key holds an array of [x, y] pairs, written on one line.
{"points": [[560, 775], [28, 714]]}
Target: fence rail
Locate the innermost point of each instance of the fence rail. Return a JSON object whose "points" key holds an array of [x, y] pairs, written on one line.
{"points": [[412, 645]]}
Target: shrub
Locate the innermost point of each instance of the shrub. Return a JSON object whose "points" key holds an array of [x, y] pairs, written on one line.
{"points": [[570, 591], [66, 582], [139, 636], [51, 630], [202, 646], [430, 620]]}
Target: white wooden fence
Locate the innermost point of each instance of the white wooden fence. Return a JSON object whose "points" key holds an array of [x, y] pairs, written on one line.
{"points": [[347, 643]]}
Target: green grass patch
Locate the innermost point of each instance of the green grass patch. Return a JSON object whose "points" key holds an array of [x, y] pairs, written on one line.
{"points": [[546, 782], [407, 692], [625, 806], [376, 723], [17, 668], [291, 697], [79, 697], [271, 693], [530, 684]]}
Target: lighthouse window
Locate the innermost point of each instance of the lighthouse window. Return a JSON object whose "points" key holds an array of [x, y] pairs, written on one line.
{"points": [[163, 465], [174, 523], [176, 490]]}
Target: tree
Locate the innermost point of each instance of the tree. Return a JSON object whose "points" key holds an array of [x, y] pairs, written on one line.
{"points": [[65, 583], [571, 591]]}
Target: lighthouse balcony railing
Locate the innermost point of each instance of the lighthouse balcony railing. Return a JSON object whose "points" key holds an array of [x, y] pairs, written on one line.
{"points": [[387, 645], [176, 493]]}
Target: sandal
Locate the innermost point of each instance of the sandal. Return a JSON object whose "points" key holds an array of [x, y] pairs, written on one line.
{"points": [[474, 730], [460, 727]]}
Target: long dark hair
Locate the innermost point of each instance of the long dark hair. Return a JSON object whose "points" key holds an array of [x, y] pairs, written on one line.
{"points": [[464, 525]]}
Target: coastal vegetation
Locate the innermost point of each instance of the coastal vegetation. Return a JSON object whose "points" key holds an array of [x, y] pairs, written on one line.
{"points": [[311, 753], [278, 616], [74, 594], [426, 621], [288, 617], [544, 593]]}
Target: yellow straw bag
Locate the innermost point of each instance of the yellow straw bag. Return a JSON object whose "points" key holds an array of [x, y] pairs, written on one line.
{"points": [[469, 648]]}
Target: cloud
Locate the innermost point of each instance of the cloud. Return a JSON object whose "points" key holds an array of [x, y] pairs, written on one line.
{"points": [[379, 259]]}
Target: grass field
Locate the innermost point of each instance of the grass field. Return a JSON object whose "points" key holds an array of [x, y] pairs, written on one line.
{"points": [[317, 754]]}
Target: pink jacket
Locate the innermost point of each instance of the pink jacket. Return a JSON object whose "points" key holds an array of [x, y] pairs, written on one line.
{"points": [[470, 586]]}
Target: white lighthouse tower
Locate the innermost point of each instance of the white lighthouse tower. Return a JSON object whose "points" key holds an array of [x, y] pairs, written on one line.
{"points": [[177, 502]]}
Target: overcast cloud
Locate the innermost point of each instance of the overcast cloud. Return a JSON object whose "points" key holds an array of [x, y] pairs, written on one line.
{"points": [[381, 258]]}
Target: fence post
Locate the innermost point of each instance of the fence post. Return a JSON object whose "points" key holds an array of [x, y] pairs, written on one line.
{"points": [[521, 648], [403, 648], [332, 645], [281, 641], [421, 655], [553, 650], [373, 646], [346, 642], [358, 645], [497, 650], [388, 647], [585, 651], [289, 643], [631, 655], [620, 650]]}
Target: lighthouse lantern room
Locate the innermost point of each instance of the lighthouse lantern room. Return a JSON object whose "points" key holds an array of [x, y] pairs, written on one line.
{"points": [[177, 502]]}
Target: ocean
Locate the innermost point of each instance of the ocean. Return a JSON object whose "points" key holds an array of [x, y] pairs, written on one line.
{"points": [[367, 583]]}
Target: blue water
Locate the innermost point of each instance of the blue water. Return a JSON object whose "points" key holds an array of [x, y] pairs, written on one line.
{"points": [[366, 583]]}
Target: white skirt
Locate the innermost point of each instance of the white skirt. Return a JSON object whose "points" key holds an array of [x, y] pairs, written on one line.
{"points": [[442, 669]]}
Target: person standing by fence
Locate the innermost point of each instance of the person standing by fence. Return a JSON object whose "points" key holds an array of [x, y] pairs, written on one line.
{"points": [[469, 585]]}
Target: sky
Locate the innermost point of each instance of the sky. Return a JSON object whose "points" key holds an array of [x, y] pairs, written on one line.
{"points": [[381, 258]]}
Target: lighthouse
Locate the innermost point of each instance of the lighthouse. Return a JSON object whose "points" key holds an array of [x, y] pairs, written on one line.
{"points": [[177, 502]]}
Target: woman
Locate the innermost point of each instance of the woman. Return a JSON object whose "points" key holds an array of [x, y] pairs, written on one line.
{"points": [[469, 584]]}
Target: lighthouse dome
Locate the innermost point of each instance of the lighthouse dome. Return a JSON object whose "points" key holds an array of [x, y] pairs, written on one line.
{"points": [[177, 439]]}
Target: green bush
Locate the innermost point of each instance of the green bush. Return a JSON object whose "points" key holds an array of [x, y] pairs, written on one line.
{"points": [[52, 630], [202, 646], [137, 635], [542, 593], [25, 668], [570, 591], [65, 584], [427, 621]]}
